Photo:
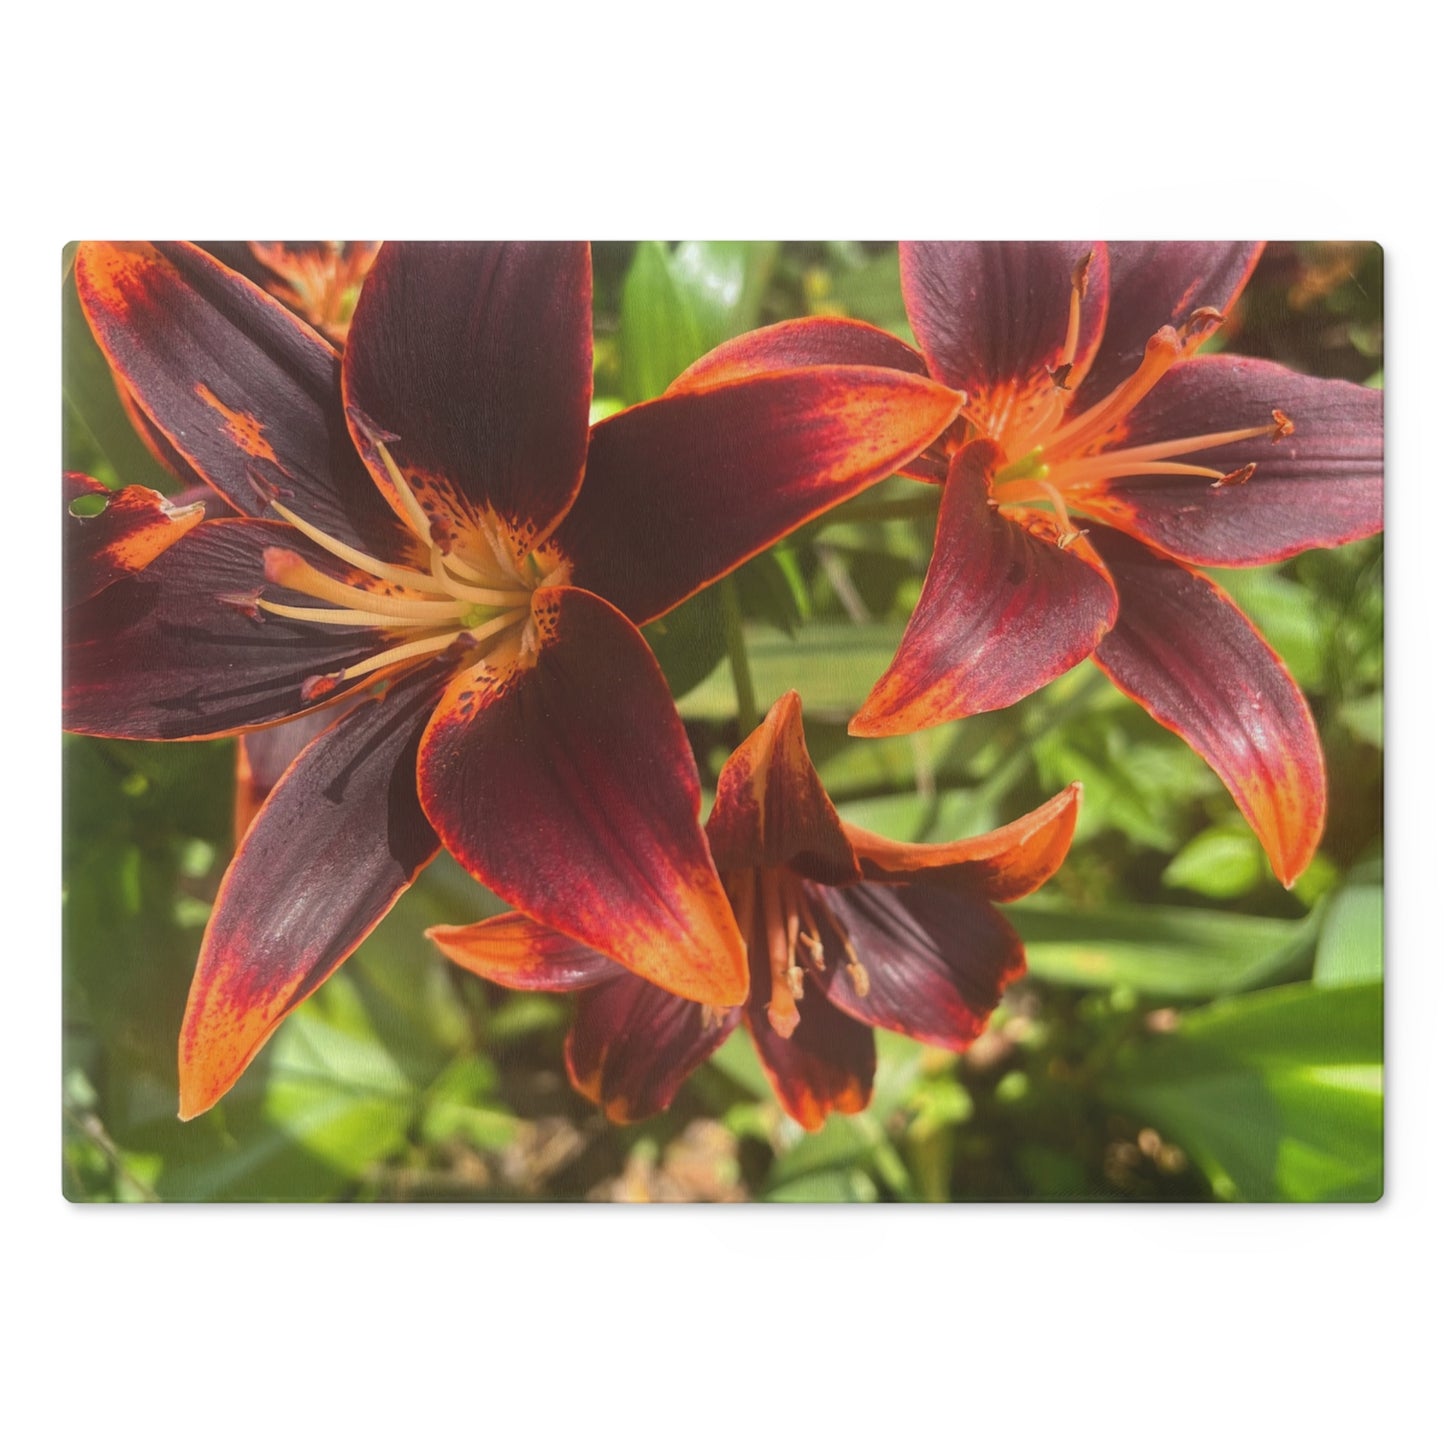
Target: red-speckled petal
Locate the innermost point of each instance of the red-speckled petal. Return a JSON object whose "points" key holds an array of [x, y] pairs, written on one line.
{"points": [[632, 1045], [134, 528], [247, 395], [1003, 611], [338, 841], [180, 649], [570, 790], [681, 490], [1185, 652], [517, 952], [936, 961], [1004, 865], [994, 315], [771, 810], [1321, 484], [477, 358]]}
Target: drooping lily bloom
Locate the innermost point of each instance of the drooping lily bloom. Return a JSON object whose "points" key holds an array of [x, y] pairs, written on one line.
{"points": [[427, 529], [845, 931], [1098, 465]]}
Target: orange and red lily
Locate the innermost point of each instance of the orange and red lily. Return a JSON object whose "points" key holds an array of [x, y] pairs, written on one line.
{"points": [[1098, 464], [845, 931], [427, 530]]}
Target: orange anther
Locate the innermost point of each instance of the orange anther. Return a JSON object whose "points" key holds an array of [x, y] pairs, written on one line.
{"points": [[1283, 426]]}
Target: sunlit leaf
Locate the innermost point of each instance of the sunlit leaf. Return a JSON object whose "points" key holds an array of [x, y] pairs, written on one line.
{"points": [[659, 335], [831, 664], [1277, 1095], [1167, 953], [1352, 937], [1221, 862]]}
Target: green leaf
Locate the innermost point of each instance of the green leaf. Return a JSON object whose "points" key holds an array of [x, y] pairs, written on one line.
{"points": [[659, 335], [1365, 718], [723, 282], [1352, 937], [831, 1186], [1277, 1095], [833, 665], [1221, 862], [1176, 953], [690, 642], [1287, 614], [872, 292]]}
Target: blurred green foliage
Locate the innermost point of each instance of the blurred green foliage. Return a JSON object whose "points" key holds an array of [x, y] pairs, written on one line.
{"points": [[1187, 1029]]}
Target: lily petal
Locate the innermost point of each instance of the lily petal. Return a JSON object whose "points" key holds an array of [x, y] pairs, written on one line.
{"points": [[478, 359], [248, 395], [1004, 865], [825, 1066], [771, 810], [262, 758], [1002, 612], [517, 952], [1318, 486], [1161, 283], [336, 844], [632, 1045], [1192, 659], [992, 315], [179, 650], [681, 490], [570, 790], [937, 961], [788, 345], [134, 528]]}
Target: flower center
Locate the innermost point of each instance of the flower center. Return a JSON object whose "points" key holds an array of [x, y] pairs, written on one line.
{"points": [[777, 915], [476, 597], [1059, 459]]}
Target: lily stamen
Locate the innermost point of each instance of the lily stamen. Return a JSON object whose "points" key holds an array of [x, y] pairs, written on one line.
{"points": [[322, 683], [286, 569], [385, 571], [1163, 349], [783, 1002], [417, 518], [1079, 284], [485, 596]]}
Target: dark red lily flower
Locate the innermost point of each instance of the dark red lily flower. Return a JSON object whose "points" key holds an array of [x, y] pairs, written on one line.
{"points": [[845, 931], [1085, 397], [428, 530]]}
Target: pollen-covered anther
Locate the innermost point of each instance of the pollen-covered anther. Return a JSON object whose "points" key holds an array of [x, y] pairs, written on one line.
{"points": [[858, 977], [1283, 426], [1066, 539], [1238, 477]]}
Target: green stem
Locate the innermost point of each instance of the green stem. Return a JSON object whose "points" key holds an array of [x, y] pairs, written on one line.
{"points": [[738, 655]]}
